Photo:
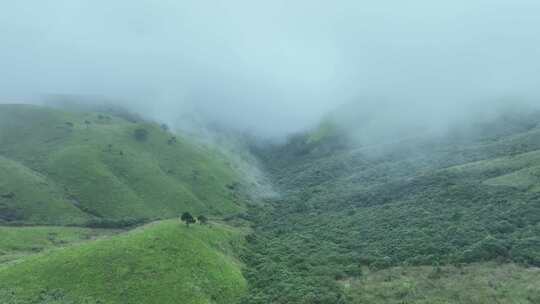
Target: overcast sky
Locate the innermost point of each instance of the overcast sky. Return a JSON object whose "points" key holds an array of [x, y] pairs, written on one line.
{"points": [[272, 66]]}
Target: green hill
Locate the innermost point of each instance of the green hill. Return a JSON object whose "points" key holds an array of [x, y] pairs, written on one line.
{"points": [[164, 262], [469, 196], [62, 168], [108, 169]]}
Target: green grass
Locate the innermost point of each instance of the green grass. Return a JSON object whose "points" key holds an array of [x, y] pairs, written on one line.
{"points": [[526, 179], [16, 242], [35, 197], [64, 170], [477, 283], [520, 171], [163, 262], [502, 164], [84, 168]]}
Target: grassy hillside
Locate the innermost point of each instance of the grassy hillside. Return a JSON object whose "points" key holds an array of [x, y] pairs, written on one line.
{"points": [[31, 196], [468, 197], [163, 262], [73, 168], [17, 242], [485, 283], [103, 170]]}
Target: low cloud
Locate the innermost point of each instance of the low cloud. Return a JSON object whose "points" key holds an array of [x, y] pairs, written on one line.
{"points": [[277, 67]]}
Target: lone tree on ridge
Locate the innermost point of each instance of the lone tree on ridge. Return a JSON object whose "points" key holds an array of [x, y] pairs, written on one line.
{"points": [[187, 218]]}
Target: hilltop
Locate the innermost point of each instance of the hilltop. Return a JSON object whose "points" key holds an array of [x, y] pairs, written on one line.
{"points": [[164, 262], [68, 177]]}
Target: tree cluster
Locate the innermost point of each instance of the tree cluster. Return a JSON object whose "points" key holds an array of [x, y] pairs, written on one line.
{"points": [[188, 219]]}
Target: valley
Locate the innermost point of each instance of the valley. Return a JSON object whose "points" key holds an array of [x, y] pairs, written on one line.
{"points": [[90, 208], [269, 152]]}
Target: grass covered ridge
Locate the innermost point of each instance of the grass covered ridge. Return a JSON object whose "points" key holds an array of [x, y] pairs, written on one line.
{"points": [[163, 262], [17, 242], [73, 168]]}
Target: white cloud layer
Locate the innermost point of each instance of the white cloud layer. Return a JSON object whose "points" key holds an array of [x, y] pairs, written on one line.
{"points": [[272, 67]]}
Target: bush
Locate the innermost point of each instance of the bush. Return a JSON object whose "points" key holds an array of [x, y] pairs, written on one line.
{"points": [[141, 134], [487, 249]]}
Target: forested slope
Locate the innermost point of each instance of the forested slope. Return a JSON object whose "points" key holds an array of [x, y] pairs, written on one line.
{"points": [[468, 196]]}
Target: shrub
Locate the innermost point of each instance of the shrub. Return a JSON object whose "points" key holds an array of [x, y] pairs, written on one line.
{"points": [[187, 218], [141, 134], [202, 219]]}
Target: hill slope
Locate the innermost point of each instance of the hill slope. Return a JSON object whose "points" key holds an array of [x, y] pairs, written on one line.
{"points": [[484, 283], [163, 262], [17, 242], [74, 168], [468, 197]]}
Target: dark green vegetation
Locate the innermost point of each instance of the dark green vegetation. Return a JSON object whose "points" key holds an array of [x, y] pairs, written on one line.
{"points": [[159, 263], [188, 218], [467, 197], [102, 170]]}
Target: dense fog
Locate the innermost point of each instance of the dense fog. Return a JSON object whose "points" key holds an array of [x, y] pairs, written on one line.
{"points": [[275, 67]]}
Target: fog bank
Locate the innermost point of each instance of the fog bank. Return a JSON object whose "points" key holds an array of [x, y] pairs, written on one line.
{"points": [[276, 67]]}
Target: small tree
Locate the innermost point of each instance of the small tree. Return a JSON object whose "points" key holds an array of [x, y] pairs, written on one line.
{"points": [[202, 219], [187, 218]]}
